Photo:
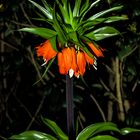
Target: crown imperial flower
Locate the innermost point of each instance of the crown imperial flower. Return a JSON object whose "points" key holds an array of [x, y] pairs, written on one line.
{"points": [[81, 62], [96, 51], [70, 24], [46, 51], [71, 61]]}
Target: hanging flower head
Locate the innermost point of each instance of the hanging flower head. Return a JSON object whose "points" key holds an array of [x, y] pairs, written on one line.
{"points": [[71, 60], [72, 25]]}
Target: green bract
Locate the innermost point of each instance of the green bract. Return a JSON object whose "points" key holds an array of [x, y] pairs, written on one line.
{"points": [[66, 24]]}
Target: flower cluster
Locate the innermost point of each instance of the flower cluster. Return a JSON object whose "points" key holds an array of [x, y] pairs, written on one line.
{"points": [[71, 60]]}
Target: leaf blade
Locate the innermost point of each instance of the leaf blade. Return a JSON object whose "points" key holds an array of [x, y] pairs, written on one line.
{"points": [[128, 130], [60, 31], [105, 12], [32, 135], [42, 9], [43, 32], [93, 129], [102, 33], [55, 128]]}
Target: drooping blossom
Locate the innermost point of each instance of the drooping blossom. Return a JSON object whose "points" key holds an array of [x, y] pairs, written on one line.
{"points": [[67, 58], [71, 60], [61, 64], [46, 51], [96, 51], [67, 61], [81, 62]]}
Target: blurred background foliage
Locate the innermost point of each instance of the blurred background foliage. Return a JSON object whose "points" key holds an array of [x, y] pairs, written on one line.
{"points": [[109, 93]]}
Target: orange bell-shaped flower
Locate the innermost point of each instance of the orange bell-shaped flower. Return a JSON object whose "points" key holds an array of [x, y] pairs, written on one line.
{"points": [[74, 65], [46, 51], [95, 50], [61, 63], [81, 62], [67, 58], [67, 61]]}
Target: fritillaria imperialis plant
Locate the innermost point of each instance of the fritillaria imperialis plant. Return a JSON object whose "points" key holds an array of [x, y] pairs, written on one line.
{"points": [[70, 35]]}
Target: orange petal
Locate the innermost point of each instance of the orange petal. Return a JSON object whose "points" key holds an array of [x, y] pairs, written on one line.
{"points": [[40, 50], [46, 51], [96, 51], [61, 63], [81, 62], [89, 59], [67, 58], [74, 60], [50, 52]]}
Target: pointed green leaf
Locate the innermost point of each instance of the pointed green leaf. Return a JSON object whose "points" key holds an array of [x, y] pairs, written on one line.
{"points": [[91, 23], [93, 129], [103, 137], [47, 7], [64, 12], [55, 128], [70, 15], [107, 128], [84, 7], [76, 8], [41, 16], [42, 9], [115, 18], [60, 31], [32, 135], [102, 33], [88, 25], [43, 32], [105, 12], [89, 7], [128, 130]]}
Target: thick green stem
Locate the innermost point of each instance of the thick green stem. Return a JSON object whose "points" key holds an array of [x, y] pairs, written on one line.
{"points": [[70, 108]]}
